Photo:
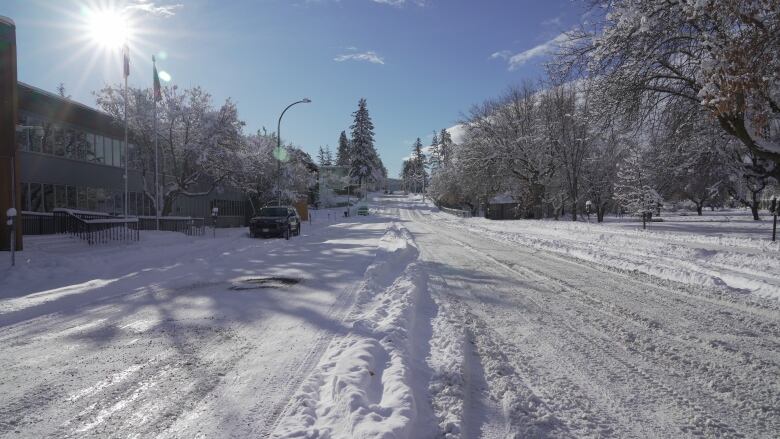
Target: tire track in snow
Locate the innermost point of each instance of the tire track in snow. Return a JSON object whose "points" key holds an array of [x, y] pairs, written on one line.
{"points": [[702, 421]]}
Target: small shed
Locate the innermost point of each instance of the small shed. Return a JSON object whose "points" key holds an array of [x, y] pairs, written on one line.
{"points": [[503, 207]]}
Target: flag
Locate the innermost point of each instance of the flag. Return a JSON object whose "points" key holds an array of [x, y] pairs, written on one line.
{"points": [[157, 90], [126, 60]]}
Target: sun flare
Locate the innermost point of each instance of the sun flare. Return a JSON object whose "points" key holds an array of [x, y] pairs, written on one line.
{"points": [[108, 28]]}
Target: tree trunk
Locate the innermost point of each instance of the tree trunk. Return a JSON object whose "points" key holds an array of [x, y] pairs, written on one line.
{"points": [[699, 208], [167, 206], [754, 206], [574, 210]]}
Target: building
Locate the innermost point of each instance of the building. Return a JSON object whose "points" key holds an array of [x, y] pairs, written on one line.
{"points": [[72, 156]]}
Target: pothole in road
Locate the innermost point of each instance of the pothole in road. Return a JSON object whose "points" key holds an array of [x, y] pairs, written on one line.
{"points": [[255, 283]]}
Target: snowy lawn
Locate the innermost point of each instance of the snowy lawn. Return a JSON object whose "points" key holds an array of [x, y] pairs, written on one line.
{"points": [[162, 338], [719, 250]]}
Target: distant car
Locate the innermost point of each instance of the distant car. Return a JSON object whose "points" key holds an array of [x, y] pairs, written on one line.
{"points": [[362, 210], [282, 221]]}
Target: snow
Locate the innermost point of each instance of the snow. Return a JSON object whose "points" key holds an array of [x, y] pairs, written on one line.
{"points": [[149, 337], [407, 323], [364, 387], [717, 250]]}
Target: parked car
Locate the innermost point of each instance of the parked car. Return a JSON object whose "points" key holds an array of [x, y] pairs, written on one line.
{"points": [[282, 221], [362, 210]]}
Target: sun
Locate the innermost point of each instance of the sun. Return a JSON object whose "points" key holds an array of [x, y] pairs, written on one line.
{"points": [[108, 28]]}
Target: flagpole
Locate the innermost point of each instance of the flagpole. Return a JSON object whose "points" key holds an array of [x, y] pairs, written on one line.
{"points": [[156, 153], [126, 68]]}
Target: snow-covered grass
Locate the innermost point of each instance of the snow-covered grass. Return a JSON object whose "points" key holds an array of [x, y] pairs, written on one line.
{"points": [[717, 250]]}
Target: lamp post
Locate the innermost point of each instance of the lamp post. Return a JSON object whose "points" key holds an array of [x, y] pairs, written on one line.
{"points": [[774, 208], [279, 153]]}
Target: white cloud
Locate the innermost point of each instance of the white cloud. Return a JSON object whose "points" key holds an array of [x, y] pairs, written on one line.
{"points": [[552, 22], [400, 2], [154, 9], [503, 54], [369, 56], [517, 60]]}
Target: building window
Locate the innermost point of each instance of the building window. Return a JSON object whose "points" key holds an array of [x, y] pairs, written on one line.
{"points": [[90, 152], [91, 199], [82, 198], [108, 149], [60, 197], [47, 142], [23, 137], [36, 197], [58, 134], [25, 196], [117, 153], [71, 196], [48, 198], [99, 155]]}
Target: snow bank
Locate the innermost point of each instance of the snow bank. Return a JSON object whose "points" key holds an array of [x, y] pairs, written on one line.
{"points": [[738, 264], [364, 386]]}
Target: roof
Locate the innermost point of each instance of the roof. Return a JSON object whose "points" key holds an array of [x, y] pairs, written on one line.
{"points": [[59, 109], [505, 198]]}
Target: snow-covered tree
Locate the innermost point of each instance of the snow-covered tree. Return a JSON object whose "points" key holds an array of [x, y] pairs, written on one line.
{"points": [[566, 121], [199, 144], [722, 55], [324, 157], [445, 147], [434, 161], [343, 154], [328, 156], [600, 172], [365, 165], [634, 192], [259, 169]]}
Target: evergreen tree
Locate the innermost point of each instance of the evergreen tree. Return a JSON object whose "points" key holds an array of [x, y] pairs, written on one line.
{"points": [[418, 164], [435, 159], [445, 147], [364, 159], [322, 157], [328, 156], [343, 156]]}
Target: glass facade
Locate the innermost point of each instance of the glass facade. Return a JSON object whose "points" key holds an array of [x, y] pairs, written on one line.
{"points": [[69, 141], [37, 197]]}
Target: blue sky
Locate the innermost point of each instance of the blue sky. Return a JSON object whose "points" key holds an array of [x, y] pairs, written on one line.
{"points": [[420, 64]]}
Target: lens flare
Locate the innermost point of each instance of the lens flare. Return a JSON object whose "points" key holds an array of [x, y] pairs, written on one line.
{"points": [[164, 76], [108, 28]]}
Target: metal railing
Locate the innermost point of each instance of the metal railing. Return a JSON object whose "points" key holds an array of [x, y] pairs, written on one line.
{"points": [[95, 227], [38, 223], [62, 221], [183, 224]]}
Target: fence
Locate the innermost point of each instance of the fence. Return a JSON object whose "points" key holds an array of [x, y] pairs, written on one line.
{"points": [[95, 227], [38, 223], [183, 224]]}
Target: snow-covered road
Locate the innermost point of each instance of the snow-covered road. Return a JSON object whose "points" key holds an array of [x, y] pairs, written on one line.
{"points": [[151, 341], [409, 323], [559, 347]]}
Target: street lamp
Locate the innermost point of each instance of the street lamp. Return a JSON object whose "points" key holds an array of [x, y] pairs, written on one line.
{"points": [[774, 210], [279, 153]]}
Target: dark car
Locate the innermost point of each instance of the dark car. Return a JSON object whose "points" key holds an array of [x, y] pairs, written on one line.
{"points": [[280, 221]]}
